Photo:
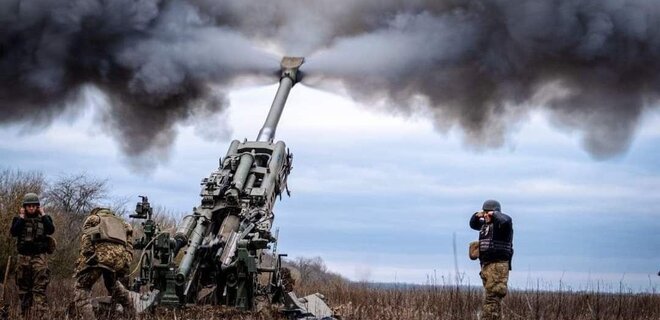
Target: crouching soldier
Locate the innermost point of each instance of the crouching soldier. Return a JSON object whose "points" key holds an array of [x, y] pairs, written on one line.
{"points": [[495, 253], [32, 228], [106, 251]]}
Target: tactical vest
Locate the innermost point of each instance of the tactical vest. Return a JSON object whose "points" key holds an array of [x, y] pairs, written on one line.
{"points": [[32, 239], [110, 229], [491, 249]]}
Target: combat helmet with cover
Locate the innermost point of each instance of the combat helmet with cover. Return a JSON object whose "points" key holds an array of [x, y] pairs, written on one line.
{"points": [[491, 205], [30, 198]]}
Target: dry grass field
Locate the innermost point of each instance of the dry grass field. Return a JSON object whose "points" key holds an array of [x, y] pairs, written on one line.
{"points": [[362, 301], [350, 300]]}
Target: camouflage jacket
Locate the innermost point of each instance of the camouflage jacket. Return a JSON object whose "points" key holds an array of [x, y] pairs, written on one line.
{"points": [[109, 255]]}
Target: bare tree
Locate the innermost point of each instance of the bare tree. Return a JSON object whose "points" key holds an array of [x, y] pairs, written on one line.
{"points": [[69, 199], [312, 273], [120, 206], [76, 194], [163, 217], [311, 269]]}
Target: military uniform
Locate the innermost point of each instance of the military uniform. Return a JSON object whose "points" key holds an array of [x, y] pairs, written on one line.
{"points": [[32, 274], [106, 251], [495, 253]]}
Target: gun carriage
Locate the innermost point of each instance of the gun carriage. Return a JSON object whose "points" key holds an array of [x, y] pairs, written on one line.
{"points": [[217, 254]]}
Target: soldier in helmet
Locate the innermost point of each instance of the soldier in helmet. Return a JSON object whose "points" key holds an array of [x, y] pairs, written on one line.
{"points": [[495, 253], [106, 251], [32, 228]]}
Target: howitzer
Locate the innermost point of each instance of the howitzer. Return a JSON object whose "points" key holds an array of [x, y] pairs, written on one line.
{"points": [[216, 254]]}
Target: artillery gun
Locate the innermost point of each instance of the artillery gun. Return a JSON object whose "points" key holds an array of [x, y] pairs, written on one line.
{"points": [[217, 253]]}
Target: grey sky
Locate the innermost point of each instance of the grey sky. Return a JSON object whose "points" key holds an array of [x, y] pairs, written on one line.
{"points": [[378, 195]]}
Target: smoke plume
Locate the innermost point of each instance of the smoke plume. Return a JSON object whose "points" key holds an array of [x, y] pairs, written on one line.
{"points": [[156, 62], [483, 65], [479, 65]]}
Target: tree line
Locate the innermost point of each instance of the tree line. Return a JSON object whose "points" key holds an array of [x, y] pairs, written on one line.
{"points": [[69, 198]]}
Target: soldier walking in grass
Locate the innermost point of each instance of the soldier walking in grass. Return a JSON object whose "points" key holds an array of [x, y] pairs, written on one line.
{"points": [[106, 251], [495, 253], [32, 228]]}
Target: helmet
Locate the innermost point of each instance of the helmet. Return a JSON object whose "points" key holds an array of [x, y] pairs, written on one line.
{"points": [[30, 198], [98, 210], [491, 205]]}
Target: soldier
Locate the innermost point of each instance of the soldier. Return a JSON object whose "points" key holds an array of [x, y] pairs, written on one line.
{"points": [[495, 253], [106, 251], [32, 228]]}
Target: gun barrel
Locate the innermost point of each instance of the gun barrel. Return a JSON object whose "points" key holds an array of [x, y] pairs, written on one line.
{"points": [[184, 231], [243, 171], [195, 241], [290, 66]]}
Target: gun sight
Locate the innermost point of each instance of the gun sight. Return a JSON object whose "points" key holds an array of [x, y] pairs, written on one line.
{"points": [[143, 209]]}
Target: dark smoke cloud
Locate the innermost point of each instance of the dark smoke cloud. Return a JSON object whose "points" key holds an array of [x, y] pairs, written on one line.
{"points": [[301, 27], [483, 65], [157, 62], [479, 65]]}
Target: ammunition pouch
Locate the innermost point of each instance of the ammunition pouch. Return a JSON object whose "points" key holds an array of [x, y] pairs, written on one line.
{"points": [[51, 245], [474, 250], [109, 229], [32, 239]]}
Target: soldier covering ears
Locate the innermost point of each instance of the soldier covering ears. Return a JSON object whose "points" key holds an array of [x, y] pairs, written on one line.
{"points": [[495, 253], [32, 228]]}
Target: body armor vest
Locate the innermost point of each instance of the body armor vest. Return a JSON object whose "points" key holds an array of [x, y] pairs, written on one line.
{"points": [[32, 239], [491, 249], [110, 229]]}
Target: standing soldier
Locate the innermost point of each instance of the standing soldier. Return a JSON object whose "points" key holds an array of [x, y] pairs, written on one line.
{"points": [[32, 228], [495, 253], [106, 251]]}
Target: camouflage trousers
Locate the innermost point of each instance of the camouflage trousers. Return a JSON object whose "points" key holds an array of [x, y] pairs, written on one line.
{"points": [[82, 295], [32, 279], [494, 276]]}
